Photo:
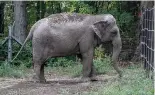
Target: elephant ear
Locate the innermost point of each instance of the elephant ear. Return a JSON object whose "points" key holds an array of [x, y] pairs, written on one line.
{"points": [[98, 27]]}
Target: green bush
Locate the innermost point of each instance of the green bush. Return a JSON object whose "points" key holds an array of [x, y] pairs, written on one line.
{"points": [[25, 56]]}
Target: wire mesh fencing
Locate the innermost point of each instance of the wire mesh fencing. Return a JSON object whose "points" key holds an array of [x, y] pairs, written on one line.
{"points": [[147, 40]]}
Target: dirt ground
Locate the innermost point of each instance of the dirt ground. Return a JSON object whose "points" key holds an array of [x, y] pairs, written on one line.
{"points": [[56, 85]]}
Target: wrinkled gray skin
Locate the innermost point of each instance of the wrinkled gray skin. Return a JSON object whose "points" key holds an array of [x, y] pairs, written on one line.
{"points": [[72, 34]]}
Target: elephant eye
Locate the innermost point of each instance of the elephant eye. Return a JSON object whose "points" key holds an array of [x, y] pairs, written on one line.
{"points": [[102, 25], [114, 33]]}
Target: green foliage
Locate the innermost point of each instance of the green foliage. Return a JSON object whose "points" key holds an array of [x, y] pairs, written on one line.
{"points": [[124, 19], [8, 15], [25, 56], [31, 9], [99, 53], [8, 70], [85, 9], [3, 51]]}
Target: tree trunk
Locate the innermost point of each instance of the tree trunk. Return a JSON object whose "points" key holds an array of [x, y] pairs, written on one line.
{"points": [[2, 4], [77, 7], [96, 7], [136, 56], [20, 20]]}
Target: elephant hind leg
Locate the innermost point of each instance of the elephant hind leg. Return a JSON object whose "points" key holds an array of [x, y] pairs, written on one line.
{"points": [[39, 72], [42, 77]]}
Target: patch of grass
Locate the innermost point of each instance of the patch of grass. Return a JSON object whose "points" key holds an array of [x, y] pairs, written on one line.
{"points": [[103, 65], [8, 70], [72, 70], [133, 82]]}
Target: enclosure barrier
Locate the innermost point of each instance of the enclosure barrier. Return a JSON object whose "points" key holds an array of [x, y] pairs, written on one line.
{"points": [[147, 40], [9, 40]]}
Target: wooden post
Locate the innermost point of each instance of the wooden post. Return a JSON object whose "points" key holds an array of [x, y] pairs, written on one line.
{"points": [[10, 44]]}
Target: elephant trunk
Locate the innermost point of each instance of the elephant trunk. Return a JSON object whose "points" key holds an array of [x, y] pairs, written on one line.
{"points": [[117, 46]]}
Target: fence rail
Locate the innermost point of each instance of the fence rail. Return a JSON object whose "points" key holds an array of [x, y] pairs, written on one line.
{"points": [[147, 39]]}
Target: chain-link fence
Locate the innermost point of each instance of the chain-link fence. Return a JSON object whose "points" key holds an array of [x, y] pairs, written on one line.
{"points": [[147, 40]]}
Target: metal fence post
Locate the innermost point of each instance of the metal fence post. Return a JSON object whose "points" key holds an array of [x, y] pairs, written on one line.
{"points": [[147, 40], [10, 44]]}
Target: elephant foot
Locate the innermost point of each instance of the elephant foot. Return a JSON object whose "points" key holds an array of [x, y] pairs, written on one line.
{"points": [[42, 81], [94, 78], [38, 80]]}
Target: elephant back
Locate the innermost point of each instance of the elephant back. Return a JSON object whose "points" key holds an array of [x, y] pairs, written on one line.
{"points": [[66, 17]]}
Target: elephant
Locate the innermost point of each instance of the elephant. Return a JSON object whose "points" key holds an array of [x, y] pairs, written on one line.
{"points": [[66, 34]]}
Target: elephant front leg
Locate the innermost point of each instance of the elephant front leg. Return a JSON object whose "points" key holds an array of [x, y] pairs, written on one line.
{"points": [[87, 62], [42, 77]]}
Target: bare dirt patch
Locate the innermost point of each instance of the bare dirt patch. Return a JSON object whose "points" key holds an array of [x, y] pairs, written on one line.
{"points": [[57, 85]]}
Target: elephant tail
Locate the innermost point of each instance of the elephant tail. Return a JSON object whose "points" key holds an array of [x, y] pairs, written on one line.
{"points": [[30, 35]]}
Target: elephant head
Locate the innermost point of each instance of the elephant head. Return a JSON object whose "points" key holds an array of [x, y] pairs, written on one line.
{"points": [[106, 29]]}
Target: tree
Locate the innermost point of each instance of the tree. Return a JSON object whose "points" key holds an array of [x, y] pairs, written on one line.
{"points": [[2, 4], [20, 20]]}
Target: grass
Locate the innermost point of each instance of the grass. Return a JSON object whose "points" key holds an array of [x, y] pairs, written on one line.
{"points": [[8, 70], [133, 82]]}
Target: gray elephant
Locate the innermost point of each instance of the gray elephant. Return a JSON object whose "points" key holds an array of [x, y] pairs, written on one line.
{"points": [[66, 34]]}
